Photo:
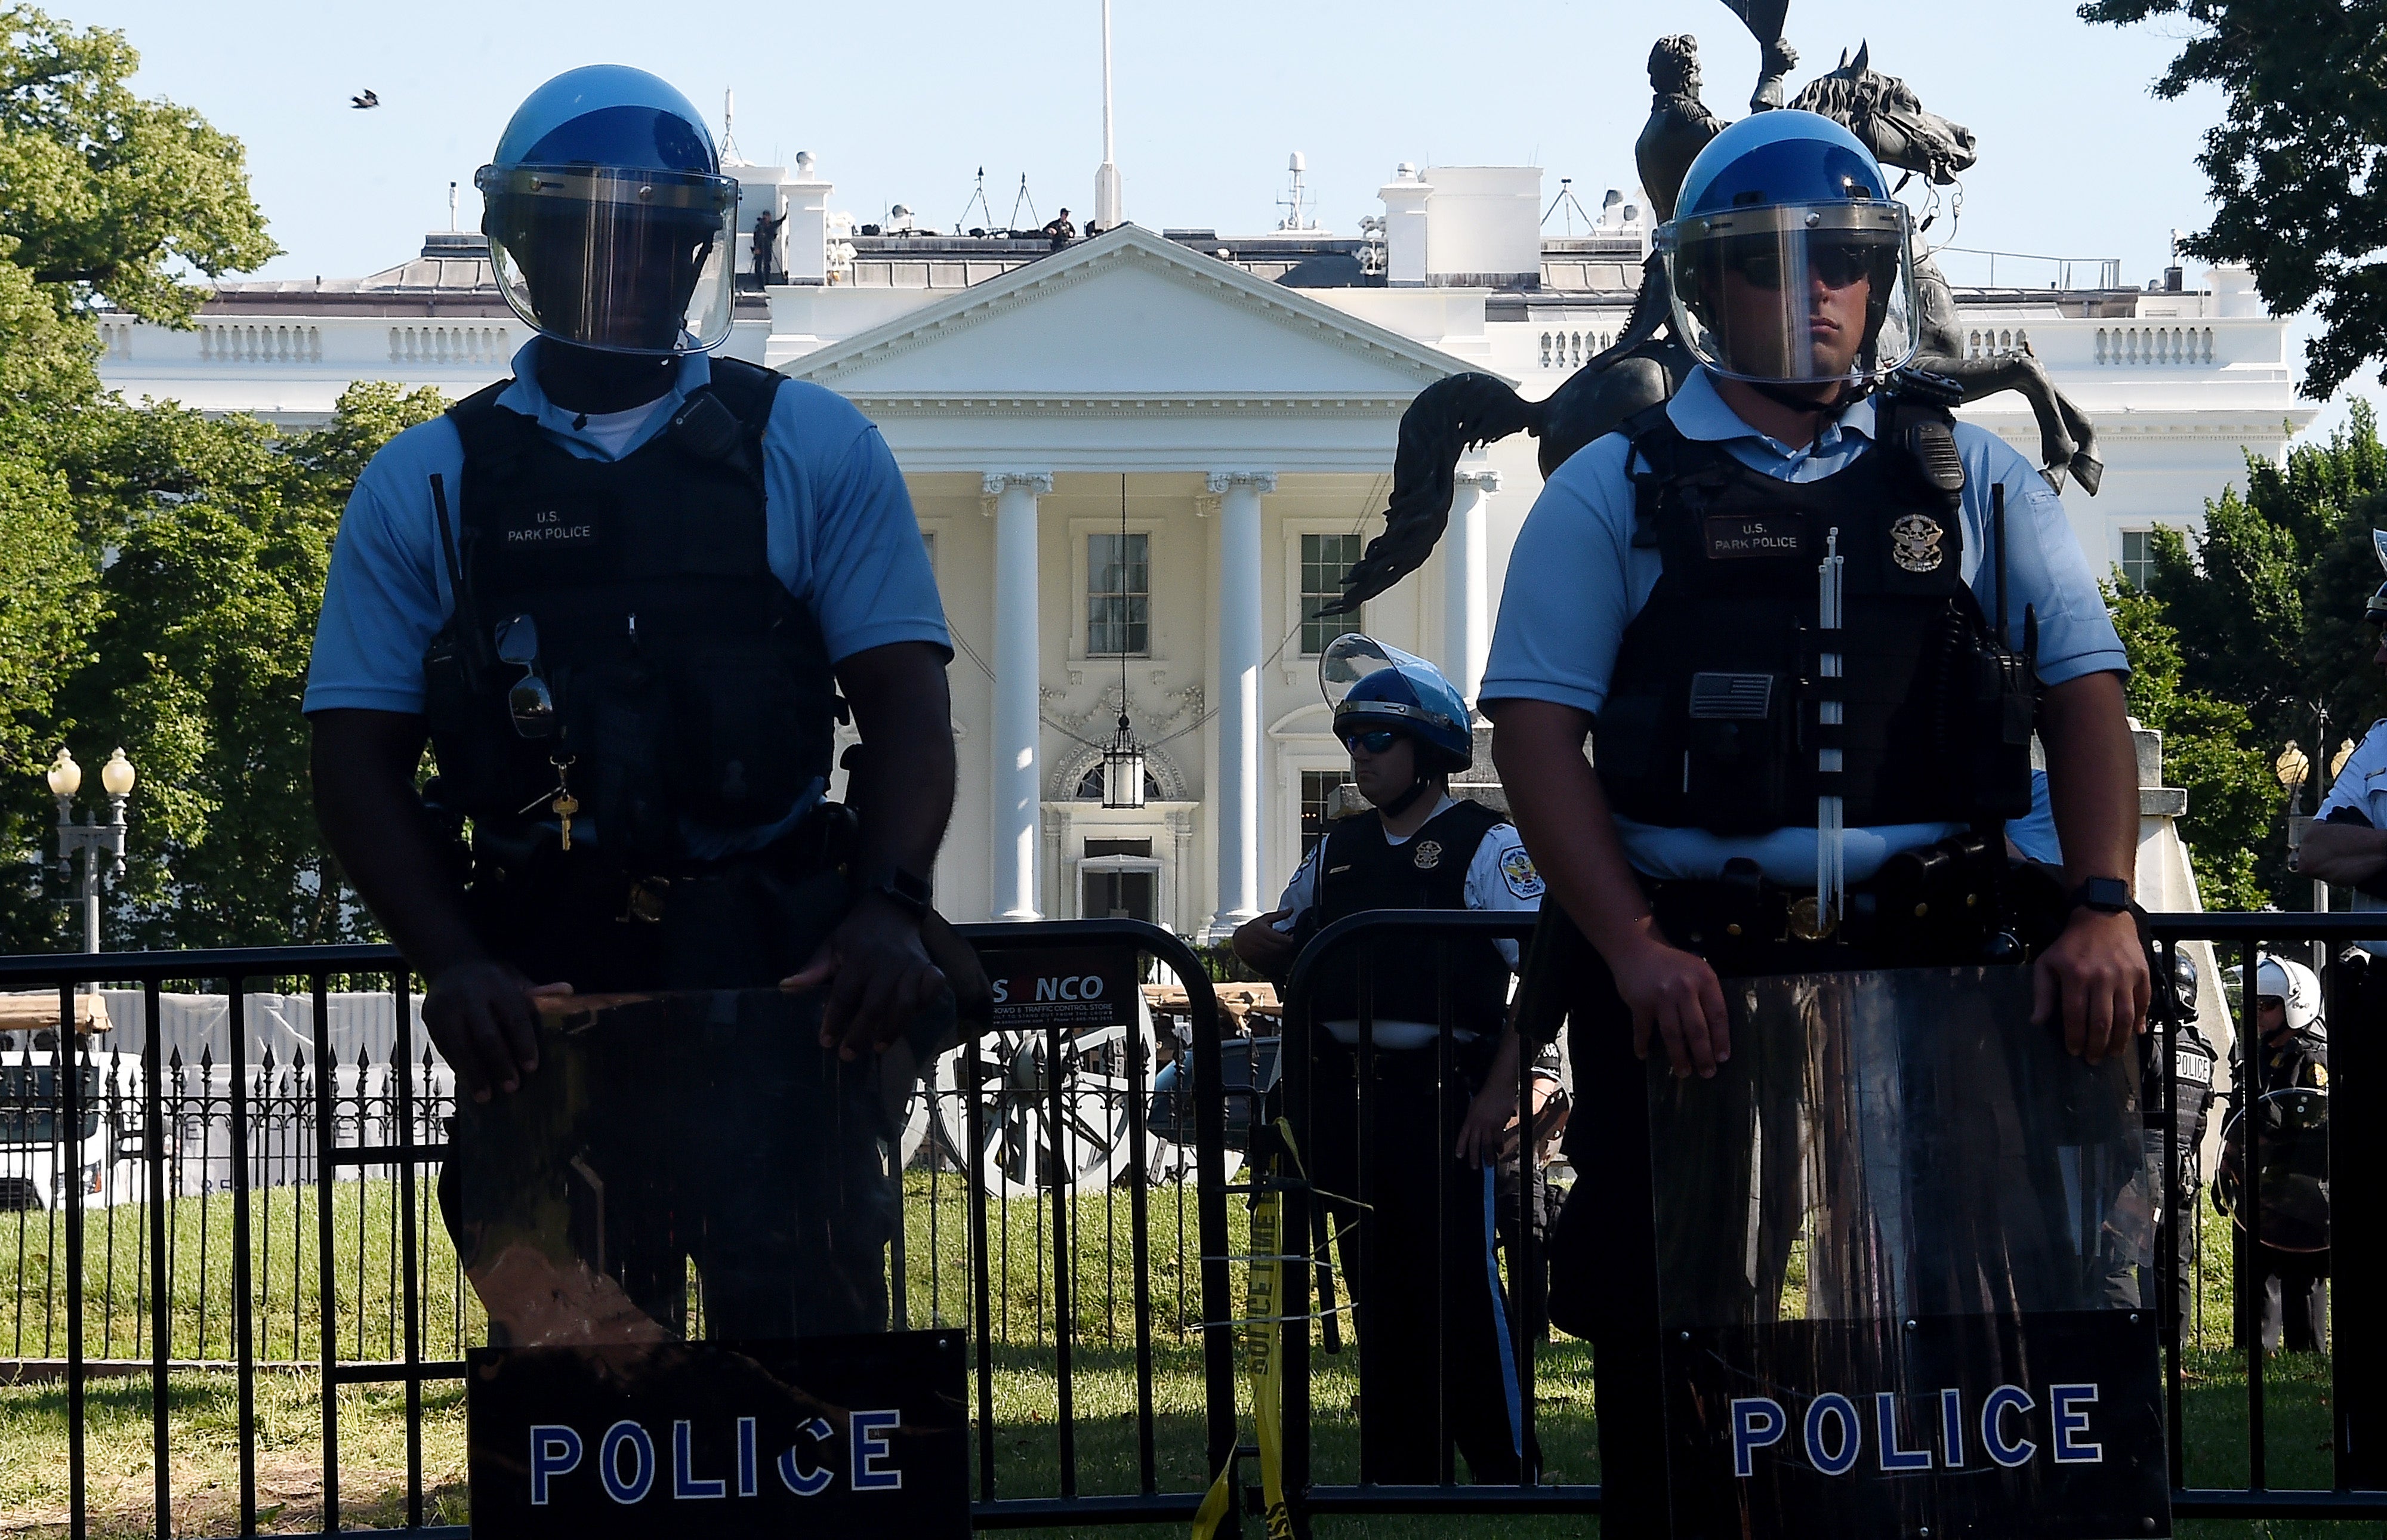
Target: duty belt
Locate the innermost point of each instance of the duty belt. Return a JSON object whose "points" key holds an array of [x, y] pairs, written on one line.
{"points": [[1943, 901]]}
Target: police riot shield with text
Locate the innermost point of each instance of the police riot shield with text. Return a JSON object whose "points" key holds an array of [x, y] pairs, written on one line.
{"points": [[679, 1226], [1904, 1238]]}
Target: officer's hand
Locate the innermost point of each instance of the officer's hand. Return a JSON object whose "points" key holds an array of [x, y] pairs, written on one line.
{"points": [[1676, 996], [480, 1017], [2096, 973], [879, 975], [1259, 942], [1488, 1117]]}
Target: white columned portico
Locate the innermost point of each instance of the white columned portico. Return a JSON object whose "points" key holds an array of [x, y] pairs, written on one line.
{"points": [[1241, 644], [1015, 802], [1466, 620]]}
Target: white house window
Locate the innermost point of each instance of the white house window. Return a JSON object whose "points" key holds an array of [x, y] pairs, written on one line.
{"points": [[2137, 558], [1326, 561], [1119, 595]]}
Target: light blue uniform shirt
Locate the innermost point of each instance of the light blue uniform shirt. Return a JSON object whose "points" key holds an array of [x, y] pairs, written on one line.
{"points": [[840, 533], [1577, 581]]}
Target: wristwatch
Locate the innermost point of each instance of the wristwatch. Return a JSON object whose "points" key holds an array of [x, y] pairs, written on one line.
{"points": [[905, 890], [2107, 895]]}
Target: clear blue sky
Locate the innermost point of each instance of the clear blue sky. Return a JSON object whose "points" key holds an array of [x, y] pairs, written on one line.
{"points": [[903, 102]]}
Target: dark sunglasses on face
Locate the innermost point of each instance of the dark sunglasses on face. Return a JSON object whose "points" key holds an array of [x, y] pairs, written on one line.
{"points": [[1374, 742], [1839, 266]]}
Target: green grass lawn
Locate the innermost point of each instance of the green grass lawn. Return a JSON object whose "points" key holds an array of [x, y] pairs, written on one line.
{"points": [[202, 1423]]}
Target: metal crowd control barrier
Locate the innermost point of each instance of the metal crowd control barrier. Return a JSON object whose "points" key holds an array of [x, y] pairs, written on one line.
{"points": [[2356, 993], [333, 1127], [397, 1131]]}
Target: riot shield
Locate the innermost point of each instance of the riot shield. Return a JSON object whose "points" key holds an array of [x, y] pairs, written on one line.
{"points": [[679, 1226], [1901, 1239], [2291, 1169]]}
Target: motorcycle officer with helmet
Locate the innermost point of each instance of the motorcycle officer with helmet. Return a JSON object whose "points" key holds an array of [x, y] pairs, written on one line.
{"points": [[1409, 730], [627, 595], [1775, 789]]}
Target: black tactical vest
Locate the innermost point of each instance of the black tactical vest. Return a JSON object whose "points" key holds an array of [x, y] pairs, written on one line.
{"points": [[1359, 869], [693, 694], [1712, 717]]}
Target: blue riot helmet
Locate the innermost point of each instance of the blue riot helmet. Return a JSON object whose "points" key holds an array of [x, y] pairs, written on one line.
{"points": [[1373, 686], [1782, 218], [610, 223]]}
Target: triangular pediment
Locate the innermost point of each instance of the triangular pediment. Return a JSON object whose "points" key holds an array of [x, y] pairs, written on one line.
{"points": [[1129, 316]]}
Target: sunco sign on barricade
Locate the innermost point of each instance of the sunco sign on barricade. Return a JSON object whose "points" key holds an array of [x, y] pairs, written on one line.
{"points": [[1901, 1241], [1065, 987]]}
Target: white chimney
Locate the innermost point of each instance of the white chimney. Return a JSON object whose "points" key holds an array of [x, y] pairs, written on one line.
{"points": [[807, 233], [1484, 224], [2233, 290], [1405, 226]]}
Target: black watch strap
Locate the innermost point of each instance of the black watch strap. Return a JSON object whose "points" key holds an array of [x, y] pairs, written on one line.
{"points": [[2107, 895], [905, 890]]}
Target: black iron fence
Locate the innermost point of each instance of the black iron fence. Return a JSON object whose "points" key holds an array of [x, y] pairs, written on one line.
{"points": [[261, 1210]]}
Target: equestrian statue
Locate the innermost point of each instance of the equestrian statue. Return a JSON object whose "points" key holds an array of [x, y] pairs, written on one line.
{"points": [[1648, 362]]}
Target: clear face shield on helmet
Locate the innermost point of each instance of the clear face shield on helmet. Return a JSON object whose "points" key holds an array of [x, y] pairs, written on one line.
{"points": [[1795, 293], [621, 260]]}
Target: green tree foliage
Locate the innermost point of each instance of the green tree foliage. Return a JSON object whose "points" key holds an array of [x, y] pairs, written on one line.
{"points": [[2295, 163], [2209, 749], [103, 195], [2255, 637], [220, 533], [160, 569]]}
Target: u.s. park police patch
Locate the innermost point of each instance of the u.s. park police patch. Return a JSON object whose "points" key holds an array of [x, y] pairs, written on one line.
{"points": [[1429, 854], [1517, 871]]}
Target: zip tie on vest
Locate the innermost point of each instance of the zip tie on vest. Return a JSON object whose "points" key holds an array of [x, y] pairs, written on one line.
{"points": [[1831, 839]]}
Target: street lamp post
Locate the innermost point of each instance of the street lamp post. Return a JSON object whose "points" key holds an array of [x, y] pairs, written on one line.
{"points": [[91, 838]]}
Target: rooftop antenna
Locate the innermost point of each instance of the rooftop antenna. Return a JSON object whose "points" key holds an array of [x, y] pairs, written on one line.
{"points": [[1023, 198], [976, 201], [1294, 200], [728, 121], [451, 207], [1109, 197], [1567, 200]]}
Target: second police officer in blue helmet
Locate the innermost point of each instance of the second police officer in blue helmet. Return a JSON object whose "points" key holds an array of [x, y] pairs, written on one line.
{"points": [[1664, 600], [1409, 731], [621, 594]]}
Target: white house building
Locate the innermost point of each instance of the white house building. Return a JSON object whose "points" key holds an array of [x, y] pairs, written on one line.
{"points": [[1240, 396]]}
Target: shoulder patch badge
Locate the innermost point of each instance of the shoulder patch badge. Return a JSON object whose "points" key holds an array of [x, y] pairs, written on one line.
{"points": [[1428, 856], [1517, 871], [1914, 543]]}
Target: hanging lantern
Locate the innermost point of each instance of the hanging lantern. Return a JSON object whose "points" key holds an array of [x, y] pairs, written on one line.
{"points": [[1123, 769]]}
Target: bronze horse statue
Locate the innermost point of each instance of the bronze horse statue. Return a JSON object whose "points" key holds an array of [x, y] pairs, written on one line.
{"points": [[1648, 363]]}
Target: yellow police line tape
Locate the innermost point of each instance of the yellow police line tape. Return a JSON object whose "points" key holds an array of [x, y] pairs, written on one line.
{"points": [[1263, 1359]]}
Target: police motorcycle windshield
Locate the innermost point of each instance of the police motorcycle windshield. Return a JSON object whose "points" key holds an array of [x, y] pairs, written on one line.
{"points": [[610, 223], [1795, 293], [1901, 1236], [1423, 697]]}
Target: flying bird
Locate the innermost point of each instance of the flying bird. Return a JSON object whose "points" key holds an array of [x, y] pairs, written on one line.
{"points": [[368, 99]]}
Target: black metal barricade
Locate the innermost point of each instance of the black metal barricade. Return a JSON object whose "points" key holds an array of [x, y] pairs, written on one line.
{"points": [[2357, 993], [172, 1135], [260, 1133]]}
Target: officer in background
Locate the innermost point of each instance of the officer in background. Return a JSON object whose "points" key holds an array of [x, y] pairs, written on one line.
{"points": [[2345, 845], [1416, 848], [621, 594], [1664, 597], [2288, 1272]]}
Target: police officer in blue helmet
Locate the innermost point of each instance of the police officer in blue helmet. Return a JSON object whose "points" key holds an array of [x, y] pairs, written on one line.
{"points": [[1409, 730], [627, 595], [1774, 789]]}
